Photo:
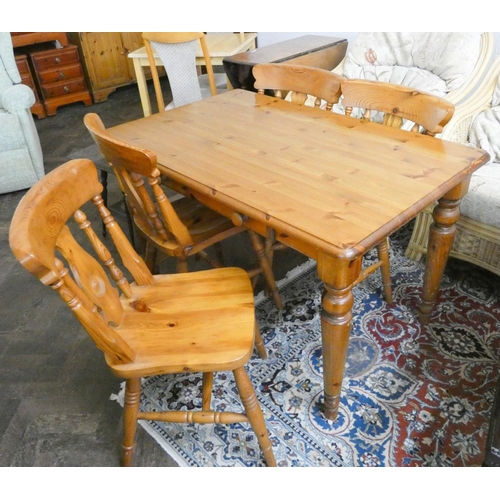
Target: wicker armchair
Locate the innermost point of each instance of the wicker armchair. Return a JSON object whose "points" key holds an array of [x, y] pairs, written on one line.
{"points": [[477, 239], [460, 62]]}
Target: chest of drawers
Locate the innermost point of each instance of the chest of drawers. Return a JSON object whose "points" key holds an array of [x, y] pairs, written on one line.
{"points": [[60, 77]]}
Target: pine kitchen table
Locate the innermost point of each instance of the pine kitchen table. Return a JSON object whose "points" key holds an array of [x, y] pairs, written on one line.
{"points": [[327, 185]]}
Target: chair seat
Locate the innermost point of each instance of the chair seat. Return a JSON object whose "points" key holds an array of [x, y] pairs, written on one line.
{"points": [[199, 321]]}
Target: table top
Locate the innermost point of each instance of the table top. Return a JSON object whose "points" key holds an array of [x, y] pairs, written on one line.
{"points": [[338, 183], [219, 45], [283, 51]]}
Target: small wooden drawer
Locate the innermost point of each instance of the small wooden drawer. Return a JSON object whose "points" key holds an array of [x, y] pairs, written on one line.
{"points": [[64, 88], [55, 58], [60, 74]]}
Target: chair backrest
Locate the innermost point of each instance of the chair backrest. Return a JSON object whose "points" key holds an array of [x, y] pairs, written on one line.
{"points": [[133, 166], [300, 81], [486, 95], [177, 52], [397, 103], [445, 64], [41, 239]]}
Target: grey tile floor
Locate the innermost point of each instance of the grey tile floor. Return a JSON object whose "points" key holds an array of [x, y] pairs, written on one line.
{"points": [[54, 384]]}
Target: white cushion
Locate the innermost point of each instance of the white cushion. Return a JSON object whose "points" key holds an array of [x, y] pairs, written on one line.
{"points": [[482, 202], [440, 62]]}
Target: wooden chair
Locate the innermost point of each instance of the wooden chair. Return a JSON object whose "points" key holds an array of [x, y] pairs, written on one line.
{"points": [[177, 229], [300, 81], [296, 83], [177, 51], [166, 324], [429, 115]]}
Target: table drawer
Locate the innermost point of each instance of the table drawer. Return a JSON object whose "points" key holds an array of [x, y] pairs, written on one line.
{"points": [[52, 59], [60, 74], [62, 88]]}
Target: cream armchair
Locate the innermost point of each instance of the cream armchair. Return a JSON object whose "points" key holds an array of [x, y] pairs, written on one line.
{"points": [[477, 239], [21, 160]]}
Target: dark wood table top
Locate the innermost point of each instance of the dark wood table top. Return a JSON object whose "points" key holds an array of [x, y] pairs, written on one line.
{"points": [[324, 52]]}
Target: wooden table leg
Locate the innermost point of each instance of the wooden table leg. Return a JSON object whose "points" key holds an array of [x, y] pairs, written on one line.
{"points": [[336, 316], [142, 86], [441, 235]]}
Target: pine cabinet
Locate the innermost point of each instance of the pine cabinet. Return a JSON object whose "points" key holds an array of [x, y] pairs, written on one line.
{"points": [[105, 59]]}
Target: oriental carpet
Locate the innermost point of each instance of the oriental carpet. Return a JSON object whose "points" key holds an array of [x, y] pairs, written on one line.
{"points": [[411, 396]]}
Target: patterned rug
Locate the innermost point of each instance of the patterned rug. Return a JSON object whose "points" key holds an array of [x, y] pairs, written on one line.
{"points": [[410, 397]]}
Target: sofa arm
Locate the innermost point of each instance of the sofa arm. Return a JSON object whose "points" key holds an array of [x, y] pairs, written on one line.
{"points": [[17, 98]]}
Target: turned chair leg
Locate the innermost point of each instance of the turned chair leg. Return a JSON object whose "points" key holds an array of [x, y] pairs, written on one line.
{"points": [[385, 269], [208, 379], [104, 194], [259, 343], [130, 411], [254, 414], [260, 252]]}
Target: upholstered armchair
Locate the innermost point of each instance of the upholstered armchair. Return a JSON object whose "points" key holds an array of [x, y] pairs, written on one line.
{"points": [[21, 160], [477, 239]]}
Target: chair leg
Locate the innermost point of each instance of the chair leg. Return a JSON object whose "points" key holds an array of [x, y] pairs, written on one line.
{"points": [[219, 253], [265, 265], [150, 256], [130, 223], [254, 414], [130, 411], [259, 343], [385, 268], [208, 379], [182, 265], [104, 194]]}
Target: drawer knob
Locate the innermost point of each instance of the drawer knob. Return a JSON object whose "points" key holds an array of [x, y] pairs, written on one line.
{"points": [[58, 60], [62, 75], [66, 89]]}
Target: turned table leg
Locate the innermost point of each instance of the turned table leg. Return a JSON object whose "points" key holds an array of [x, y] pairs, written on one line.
{"points": [[336, 315], [441, 235]]}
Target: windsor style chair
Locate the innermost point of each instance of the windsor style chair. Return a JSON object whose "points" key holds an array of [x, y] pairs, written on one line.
{"points": [[178, 229], [165, 324]]}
